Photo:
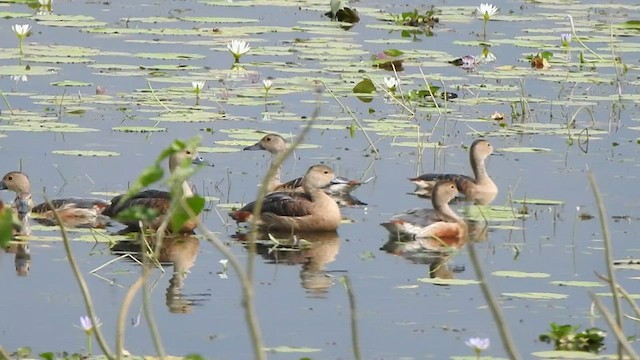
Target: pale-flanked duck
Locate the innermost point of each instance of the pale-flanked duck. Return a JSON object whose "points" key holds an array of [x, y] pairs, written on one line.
{"points": [[440, 224], [480, 189], [157, 200], [74, 212], [276, 145], [311, 210]]}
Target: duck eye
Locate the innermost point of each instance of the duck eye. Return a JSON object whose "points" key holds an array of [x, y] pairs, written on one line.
{"points": [[326, 171], [10, 178], [188, 152], [268, 139]]}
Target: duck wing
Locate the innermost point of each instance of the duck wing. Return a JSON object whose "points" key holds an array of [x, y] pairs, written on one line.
{"points": [[289, 185], [411, 222], [156, 199], [80, 203]]}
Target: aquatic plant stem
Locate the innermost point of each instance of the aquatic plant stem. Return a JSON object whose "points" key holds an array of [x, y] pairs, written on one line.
{"points": [[86, 295], [433, 98], [608, 258], [575, 35], [353, 116], [617, 331], [505, 334], [355, 338], [6, 101], [122, 316], [624, 293], [3, 354], [156, 97]]}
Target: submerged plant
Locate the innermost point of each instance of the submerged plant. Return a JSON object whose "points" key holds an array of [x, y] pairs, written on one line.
{"points": [[21, 32], [487, 11], [478, 345], [238, 48], [89, 325], [566, 337]]}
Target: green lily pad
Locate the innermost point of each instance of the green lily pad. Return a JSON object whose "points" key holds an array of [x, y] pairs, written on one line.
{"points": [[85, 153], [141, 129], [520, 274], [578, 283], [67, 83], [292, 349], [538, 201], [440, 281], [523, 149], [492, 213], [558, 354], [536, 295]]}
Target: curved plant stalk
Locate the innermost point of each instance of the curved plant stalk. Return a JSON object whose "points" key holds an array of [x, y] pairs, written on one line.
{"points": [[86, 295], [156, 97], [6, 101], [608, 258], [623, 343], [625, 294], [353, 116], [390, 94], [122, 316], [505, 334], [433, 98], [575, 35], [355, 338]]}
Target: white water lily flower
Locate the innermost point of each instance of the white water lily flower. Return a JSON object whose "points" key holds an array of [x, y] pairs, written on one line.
{"points": [[198, 85], [469, 62], [565, 39], [487, 10], [267, 83], [478, 344], [17, 78], [21, 30], [390, 82], [238, 48], [87, 325], [224, 262]]}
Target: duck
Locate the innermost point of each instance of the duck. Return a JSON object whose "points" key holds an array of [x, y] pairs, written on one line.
{"points": [[74, 212], [480, 189], [438, 226], [276, 145], [157, 200], [311, 210]]}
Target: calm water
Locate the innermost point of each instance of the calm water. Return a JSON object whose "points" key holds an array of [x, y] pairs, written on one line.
{"points": [[301, 302]]}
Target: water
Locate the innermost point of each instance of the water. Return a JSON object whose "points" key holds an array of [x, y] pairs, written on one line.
{"points": [[300, 304]]}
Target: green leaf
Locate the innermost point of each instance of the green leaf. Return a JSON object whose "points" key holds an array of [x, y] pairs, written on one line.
{"points": [[47, 355], [193, 357], [6, 226], [364, 87], [181, 215], [393, 52], [138, 213], [150, 175]]}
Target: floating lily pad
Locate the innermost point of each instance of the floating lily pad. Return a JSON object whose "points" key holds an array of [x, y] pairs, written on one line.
{"points": [[292, 349], [520, 274], [141, 129], [492, 213], [440, 281], [169, 56], [538, 201], [67, 83], [536, 295], [85, 153], [578, 283], [523, 149], [558, 354]]}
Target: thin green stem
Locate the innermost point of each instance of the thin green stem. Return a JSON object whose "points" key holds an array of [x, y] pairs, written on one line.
{"points": [[355, 338], [122, 316], [89, 344]]}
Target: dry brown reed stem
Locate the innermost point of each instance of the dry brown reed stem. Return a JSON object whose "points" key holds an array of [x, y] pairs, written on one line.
{"points": [[505, 334], [355, 338], [625, 294], [122, 316], [617, 331], [608, 257], [353, 116], [86, 295]]}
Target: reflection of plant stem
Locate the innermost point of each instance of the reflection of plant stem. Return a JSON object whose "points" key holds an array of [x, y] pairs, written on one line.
{"points": [[608, 257], [86, 295], [124, 309], [505, 334], [6, 101], [353, 116], [355, 339], [575, 35]]}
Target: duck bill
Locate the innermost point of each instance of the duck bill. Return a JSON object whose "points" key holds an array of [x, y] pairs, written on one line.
{"points": [[256, 146], [199, 160], [3, 186]]}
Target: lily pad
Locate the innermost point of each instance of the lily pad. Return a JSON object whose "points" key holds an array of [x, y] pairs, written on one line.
{"points": [[520, 274], [67, 83], [440, 281], [538, 201], [85, 153], [536, 295], [292, 349], [140, 129], [558, 354], [578, 283]]}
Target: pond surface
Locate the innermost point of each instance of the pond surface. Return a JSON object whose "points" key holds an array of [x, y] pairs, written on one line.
{"points": [[144, 55]]}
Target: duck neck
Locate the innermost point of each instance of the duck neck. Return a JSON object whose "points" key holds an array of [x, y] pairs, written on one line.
{"points": [[186, 190], [446, 212], [274, 179], [479, 170]]}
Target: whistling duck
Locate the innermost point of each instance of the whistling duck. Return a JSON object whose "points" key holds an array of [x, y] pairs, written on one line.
{"points": [[482, 189], [441, 224], [276, 145], [157, 200], [74, 212], [311, 210]]}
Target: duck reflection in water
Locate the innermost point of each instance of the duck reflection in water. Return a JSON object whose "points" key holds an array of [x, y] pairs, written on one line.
{"points": [[179, 252], [312, 250]]}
